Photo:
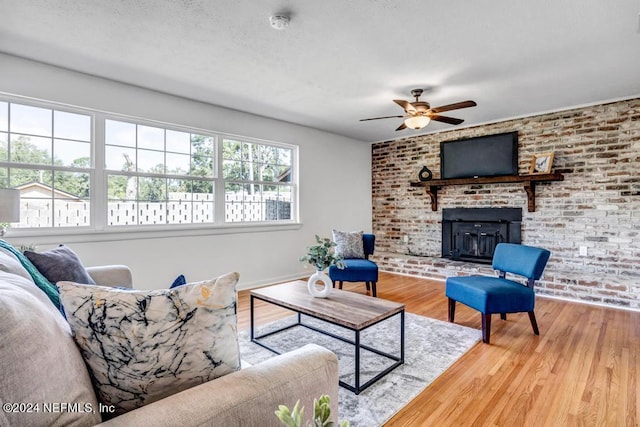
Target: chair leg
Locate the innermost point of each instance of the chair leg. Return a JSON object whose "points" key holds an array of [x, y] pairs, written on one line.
{"points": [[333, 282], [373, 289], [486, 327], [368, 286], [503, 316], [452, 309], [534, 324], [340, 284]]}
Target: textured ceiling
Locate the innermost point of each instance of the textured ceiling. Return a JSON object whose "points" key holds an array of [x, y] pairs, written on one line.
{"points": [[340, 61]]}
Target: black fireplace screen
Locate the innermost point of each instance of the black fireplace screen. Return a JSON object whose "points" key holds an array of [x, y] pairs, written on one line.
{"points": [[471, 234]]}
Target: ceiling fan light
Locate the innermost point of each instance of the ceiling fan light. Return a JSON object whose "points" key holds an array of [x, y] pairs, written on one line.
{"points": [[417, 122]]}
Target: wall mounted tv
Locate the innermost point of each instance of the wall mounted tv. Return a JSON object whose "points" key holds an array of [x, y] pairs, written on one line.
{"points": [[491, 155]]}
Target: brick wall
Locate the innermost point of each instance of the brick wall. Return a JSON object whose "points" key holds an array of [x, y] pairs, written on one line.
{"points": [[597, 206]]}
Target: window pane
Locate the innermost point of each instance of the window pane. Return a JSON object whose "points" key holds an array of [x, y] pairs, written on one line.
{"points": [[152, 189], [178, 142], [4, 178], [122, 187], [120, 133], [232, 169], [71, 126], [72, 153], [202, 155], [150, 161], [4, 116], [31, 149], [30, 120], [120, 158], [231, 149], [71, 199], [284, 156], [75, 185], [4, 147], [36, 195], [150, 137], [178, 164]]}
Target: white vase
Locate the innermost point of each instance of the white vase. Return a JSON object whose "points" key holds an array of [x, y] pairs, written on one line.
{"points": [[314, 290]]}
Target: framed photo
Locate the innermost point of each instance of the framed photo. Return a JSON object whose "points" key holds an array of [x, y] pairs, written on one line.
{"points": [[541, 163]]}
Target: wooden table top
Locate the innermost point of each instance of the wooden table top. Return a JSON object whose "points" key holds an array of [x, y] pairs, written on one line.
{"points": [[348, 309]]}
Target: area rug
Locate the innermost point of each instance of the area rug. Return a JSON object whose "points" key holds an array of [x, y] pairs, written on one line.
{"points": [[431, 346]]}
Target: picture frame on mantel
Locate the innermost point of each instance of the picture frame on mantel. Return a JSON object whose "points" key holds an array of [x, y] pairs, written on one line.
{"points": [[541, 163]]}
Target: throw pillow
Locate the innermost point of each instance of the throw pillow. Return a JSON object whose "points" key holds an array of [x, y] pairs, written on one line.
{"points": [[349, 244], [40, 361], [142, 346], [180, 280], [60, 264]]}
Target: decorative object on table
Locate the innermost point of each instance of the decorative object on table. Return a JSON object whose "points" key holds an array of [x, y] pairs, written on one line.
{"points": [[9, 208], [541, 163], [321, 414], [321, 256], [425, 174]]}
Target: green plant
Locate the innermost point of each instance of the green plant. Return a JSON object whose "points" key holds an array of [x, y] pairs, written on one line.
{"points": [[321, 414], [322, 255]]}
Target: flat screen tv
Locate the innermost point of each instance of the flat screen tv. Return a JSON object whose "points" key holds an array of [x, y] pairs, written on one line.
{"points": [[491, 155]]}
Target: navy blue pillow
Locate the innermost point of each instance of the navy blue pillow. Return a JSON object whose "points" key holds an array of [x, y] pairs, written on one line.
{"points": [[180, 280]]}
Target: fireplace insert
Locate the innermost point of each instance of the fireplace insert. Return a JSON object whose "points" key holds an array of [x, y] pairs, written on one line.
{"points": [[471, 234]]}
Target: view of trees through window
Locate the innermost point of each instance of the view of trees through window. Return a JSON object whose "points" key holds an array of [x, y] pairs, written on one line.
{"points": [[152, 174]]}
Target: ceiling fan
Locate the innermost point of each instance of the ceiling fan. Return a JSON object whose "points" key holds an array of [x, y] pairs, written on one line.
{"points": [[419, 113]]}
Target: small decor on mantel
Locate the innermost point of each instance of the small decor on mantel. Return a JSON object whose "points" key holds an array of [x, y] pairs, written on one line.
{"points": [[321, 256], [425, 174], [541, 163]]}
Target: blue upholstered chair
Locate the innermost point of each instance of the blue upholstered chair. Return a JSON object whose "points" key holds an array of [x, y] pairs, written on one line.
{"points": [[358, 270], [491, 295]]}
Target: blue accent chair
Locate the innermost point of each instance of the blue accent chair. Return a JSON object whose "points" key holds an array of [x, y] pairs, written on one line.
{"points": [[358, 270], [491, 295]]}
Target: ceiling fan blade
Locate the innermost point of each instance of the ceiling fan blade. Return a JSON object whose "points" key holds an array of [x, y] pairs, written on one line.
{"points": [[445, 119], [402, 126], [378, 118], [406, 105], [456, 106]]}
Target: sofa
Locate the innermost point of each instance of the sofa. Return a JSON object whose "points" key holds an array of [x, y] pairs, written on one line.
{"points": [[44, 380]]}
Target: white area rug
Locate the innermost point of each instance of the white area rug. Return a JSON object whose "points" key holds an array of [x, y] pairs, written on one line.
{"points": [[431, 346]]}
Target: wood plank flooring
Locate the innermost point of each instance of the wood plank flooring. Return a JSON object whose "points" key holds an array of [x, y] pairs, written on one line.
{"points": [[583, 369]]}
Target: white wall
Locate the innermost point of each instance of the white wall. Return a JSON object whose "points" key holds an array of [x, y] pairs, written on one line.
{"points": [[335, 184]]}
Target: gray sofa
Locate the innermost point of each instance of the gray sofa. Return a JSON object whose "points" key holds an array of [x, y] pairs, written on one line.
{"points": [[44, 382]]}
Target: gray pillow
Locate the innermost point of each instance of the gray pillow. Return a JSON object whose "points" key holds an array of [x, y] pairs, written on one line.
{"points": [[60, 264], [349, 244]]}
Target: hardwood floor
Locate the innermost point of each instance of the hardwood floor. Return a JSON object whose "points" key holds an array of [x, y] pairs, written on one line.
{"points": [[583, 369]]}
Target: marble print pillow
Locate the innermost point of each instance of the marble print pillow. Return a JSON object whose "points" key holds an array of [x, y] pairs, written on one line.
{"points": [[141, 346], [349, 243]]}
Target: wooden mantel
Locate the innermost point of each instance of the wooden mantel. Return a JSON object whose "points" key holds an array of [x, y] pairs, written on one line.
{"points": [[431, 187]]}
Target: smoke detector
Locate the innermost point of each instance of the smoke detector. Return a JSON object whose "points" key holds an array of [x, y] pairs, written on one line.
{"points": [[279, 22]]}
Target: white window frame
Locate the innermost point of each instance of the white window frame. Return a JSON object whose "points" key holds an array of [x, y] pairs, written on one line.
{"points": [[99, 191]]}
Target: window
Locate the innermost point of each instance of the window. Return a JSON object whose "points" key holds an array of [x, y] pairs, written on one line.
{"points": [[137, 173], [158, 176], [257, 181], [46, 154]]}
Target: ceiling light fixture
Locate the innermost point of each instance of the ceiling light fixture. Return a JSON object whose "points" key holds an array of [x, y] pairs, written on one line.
{"points": [[279, 22], [417, 122]]}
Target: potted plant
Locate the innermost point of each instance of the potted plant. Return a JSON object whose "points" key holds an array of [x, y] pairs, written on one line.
{"points": [[321, 256], [321, 414]]}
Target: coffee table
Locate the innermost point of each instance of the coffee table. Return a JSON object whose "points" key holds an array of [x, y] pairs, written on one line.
{"points": [[355, 312]]}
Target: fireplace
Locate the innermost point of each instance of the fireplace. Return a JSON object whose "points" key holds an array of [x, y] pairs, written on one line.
{"points": [[471, 234]]}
